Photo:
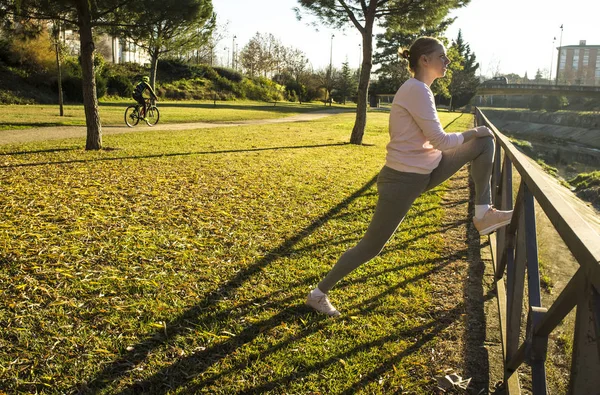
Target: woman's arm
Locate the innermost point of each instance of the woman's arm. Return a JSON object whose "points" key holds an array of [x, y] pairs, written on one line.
{"points": [[478, 132], [420, 103]]}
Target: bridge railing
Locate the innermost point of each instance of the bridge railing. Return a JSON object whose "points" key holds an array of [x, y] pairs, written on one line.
{"points": [[515, 253], [538, 89]]}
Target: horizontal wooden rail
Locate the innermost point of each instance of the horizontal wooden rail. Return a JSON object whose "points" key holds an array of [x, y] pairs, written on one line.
{"points": [[515, 261]]}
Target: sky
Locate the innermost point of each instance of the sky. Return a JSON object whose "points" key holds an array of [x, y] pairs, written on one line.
{"points": [[507, 36]]}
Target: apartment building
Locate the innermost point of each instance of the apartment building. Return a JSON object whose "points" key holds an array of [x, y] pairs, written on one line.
{"points": [[578, 64]]}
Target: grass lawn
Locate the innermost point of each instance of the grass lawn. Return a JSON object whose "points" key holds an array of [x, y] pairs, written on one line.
{"points": [[178, 262], [112, 112]]}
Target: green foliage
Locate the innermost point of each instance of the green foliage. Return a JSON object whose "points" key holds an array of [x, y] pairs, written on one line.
{"points": [[261, 88], [295, 90], [464, 80], [345, 84], [553, 171], [555, 103], [523, 145], [9, 97], [536, 103], [180, 26], [587, 186], [231, 75], [101, 85], [119, 85], [34, 54], [585, 180], [393, 71], [73, 89]]}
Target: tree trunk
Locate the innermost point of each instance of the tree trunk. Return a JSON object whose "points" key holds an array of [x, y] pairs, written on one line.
{"points": [[58, 69], [363, 84], [60, 92], [153, 68], [90, 99]]}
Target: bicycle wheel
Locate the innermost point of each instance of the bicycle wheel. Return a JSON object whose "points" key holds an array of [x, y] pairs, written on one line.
{"points": [[131, 116], [152, 116]]}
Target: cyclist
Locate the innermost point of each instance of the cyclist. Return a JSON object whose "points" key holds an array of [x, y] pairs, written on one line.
{"points": [[138, 96]]}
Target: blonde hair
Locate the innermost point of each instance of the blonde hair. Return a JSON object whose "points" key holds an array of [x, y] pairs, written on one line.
{"points": [[421, 46]]}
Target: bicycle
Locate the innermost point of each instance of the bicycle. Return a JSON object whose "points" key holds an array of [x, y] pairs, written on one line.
{"points": [[148, 113]]}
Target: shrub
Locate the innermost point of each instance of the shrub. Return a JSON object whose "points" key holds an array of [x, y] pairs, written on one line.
{"points": [[295, 90], [230, 74], [586, 180], [261, 89], [205, 71], [101, 85], [120, 85], [73, 88], [174, 69], [35, 54], [555, 103], [536, 103], [71, 67], [8, 97]]}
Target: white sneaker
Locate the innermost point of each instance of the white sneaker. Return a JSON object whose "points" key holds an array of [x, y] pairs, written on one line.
{"points": [[322, 305], [492, 220]]}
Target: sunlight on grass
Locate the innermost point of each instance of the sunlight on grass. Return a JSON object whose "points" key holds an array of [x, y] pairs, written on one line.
{"points": [[111, 112], [178, 261]]}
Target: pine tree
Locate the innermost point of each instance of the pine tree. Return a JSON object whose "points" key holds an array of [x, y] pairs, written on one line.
{"points": [[464, 79]]}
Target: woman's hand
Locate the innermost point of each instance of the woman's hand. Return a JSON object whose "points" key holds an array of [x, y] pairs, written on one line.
{"points": [[483, 131]]}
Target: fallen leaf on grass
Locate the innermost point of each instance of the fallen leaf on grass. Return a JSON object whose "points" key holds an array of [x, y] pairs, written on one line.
{"points": [[452, 381]]}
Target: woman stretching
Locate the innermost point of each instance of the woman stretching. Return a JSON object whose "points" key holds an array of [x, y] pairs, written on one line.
{"points": [[420, 156]]}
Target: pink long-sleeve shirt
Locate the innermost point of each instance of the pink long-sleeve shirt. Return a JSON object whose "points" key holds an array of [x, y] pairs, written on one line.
{"points": [[417, 137]]}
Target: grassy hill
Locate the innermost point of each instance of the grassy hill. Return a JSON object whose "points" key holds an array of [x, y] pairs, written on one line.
{"points": [[175, 80]]}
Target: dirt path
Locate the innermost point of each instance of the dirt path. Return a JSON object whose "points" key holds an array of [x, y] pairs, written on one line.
{"points": [[19, 136]]}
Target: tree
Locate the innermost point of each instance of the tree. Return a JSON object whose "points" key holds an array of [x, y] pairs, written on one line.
{"points": [[263, 55], [393, 71], [514, 78], [464, 80], [362, 14], [345, 83], [84, 14], [164, 26], [296, 63]]}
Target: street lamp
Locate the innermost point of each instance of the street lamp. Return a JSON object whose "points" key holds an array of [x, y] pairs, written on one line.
{"points": [[233, 52], [236, 53], [551, 61], [559, 54], [330, 68], [227, 50]]}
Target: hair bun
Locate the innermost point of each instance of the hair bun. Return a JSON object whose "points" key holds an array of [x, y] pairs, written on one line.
{"points": [[404, 53]]}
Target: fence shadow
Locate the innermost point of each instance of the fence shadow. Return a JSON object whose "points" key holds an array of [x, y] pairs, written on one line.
{"points": [[476, 360]]}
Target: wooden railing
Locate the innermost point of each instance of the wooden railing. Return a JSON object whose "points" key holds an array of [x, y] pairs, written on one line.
{"points": [[514, 252]]}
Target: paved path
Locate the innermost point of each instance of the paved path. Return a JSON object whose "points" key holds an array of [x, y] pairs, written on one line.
{"points": [[62, 132]]}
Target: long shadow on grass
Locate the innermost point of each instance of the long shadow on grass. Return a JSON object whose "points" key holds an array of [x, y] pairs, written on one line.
{"points": [[198, 365], [422, 333], [42, 151], [203, 360], [166, 155], [454, 120], [476, 354]]}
